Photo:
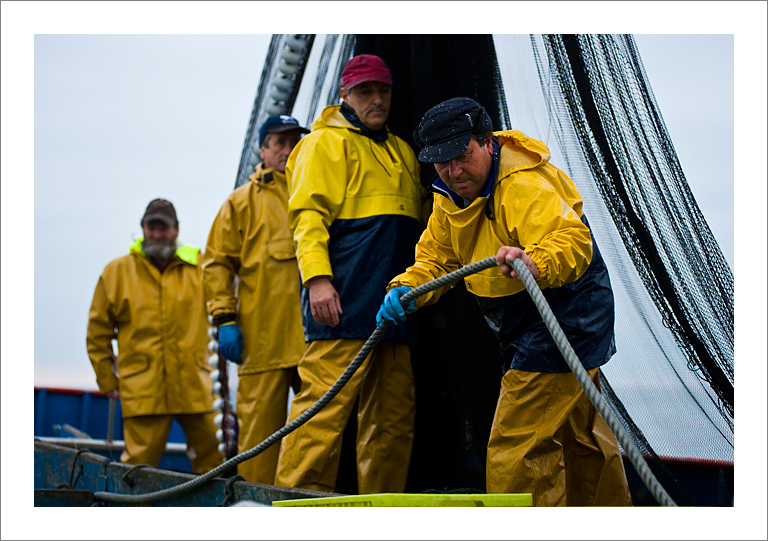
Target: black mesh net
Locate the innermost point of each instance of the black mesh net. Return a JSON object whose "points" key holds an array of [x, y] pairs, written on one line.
{"points": [[587, 97], [634, 164]]}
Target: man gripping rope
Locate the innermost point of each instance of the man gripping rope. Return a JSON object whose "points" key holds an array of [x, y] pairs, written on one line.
{"points": [[497, 193]]}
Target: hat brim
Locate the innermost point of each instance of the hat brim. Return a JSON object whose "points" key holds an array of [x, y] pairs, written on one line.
{"points": [[287, 127], [445, 151], [159, 218], [368, 79]]}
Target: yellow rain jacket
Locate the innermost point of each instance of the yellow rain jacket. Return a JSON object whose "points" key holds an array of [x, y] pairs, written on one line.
{"points": [[536, 207], [533, 205], [161, 328], [250, 239], [356, 210]]}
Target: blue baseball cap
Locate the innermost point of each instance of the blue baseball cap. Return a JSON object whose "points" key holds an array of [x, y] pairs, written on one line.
{"points": [[279, 123]]}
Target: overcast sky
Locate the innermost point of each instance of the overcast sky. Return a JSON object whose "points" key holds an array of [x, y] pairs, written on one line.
{"points": [[119, 121], [99, 118]]}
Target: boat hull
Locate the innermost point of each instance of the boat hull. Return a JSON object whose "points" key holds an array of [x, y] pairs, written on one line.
{"points": [[68, 477]]}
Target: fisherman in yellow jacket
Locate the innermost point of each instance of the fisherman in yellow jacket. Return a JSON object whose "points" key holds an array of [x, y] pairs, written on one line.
{"points": [[151, 301], [250, 243], [497, 194], [355, 211]]}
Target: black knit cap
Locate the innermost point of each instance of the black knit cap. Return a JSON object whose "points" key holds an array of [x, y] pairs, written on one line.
{"points": [[445, 130]]}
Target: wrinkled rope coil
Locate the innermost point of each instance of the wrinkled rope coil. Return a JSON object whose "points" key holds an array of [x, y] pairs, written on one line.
{"points": [[549, 319]]}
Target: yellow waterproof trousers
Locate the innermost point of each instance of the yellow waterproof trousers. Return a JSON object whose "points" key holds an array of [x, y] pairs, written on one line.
{"points": [[309, 456], [146, 435], [262, 409], [547, 439]]}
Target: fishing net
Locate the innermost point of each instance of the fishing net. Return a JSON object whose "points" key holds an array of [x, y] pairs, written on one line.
{"points": [[587, 97]]}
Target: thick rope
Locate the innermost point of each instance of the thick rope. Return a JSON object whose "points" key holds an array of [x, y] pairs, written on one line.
{"points": [[590, 389], [229, 490], [369, 345], [635, 457]]}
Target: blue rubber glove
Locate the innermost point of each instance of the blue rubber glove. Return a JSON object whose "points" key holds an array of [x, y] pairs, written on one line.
{"points": [[231, 342], [391, 308]]}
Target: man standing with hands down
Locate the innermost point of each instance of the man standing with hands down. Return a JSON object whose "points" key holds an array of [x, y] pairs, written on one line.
{"points": [[151, 302], [355, 212], [250, 240], [497, 193]]}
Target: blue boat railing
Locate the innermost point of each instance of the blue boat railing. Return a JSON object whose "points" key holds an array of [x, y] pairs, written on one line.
{"points": [[88, 411]]}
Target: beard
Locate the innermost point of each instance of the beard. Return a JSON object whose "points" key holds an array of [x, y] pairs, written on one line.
{"points": [[159, 249]]}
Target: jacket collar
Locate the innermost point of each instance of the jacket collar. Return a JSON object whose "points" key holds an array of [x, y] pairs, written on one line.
{"points": [[351, 116], [186, 253], [263, 176]]}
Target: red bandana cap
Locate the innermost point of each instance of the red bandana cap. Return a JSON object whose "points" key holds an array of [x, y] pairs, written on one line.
{"points": [[363, 68]]}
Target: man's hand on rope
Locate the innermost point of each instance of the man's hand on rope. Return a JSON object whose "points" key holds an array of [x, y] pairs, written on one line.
{"points": [[391, 308], [507, 254]]}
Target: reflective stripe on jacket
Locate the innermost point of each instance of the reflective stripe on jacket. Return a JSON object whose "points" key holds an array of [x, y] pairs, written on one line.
{"points": [[536, 207], [356, 211], [161, 328], [250, 239]]}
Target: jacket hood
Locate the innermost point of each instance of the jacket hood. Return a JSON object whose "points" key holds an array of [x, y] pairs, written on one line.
{"points": [[519, 152], [331, 117], [513, 151], [264, 176], [186, 253]]}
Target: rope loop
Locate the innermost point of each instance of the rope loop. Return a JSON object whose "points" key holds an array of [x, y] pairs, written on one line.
{"points": [[229, 490], [72, 479], [125, 478]]}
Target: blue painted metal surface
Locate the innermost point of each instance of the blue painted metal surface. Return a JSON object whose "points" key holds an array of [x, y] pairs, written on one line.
{"points": [[88, 411]]}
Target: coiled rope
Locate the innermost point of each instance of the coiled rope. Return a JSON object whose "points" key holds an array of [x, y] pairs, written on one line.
{"points": [[549, 319]]}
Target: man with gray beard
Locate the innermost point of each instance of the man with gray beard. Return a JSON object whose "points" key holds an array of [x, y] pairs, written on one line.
{"points": [[151, 302], [159, 250]]}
